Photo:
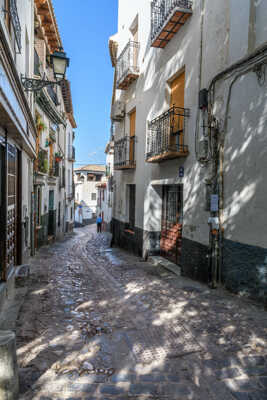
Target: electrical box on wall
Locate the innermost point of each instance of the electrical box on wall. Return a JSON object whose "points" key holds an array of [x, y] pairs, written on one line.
{"points": [[203, 99]]}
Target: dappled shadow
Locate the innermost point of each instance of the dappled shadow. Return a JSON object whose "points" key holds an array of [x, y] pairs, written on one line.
{"points": [[101, 321]]}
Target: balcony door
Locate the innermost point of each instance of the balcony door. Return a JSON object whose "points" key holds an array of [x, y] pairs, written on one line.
{"points": [[177, 121], [132, 136], [171, 222]]}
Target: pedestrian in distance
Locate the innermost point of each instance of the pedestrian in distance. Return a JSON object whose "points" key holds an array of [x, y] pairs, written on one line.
{"points": [[99, 224]]}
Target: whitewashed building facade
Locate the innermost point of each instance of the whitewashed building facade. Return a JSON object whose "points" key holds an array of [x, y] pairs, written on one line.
{"points": [[189, 115], [86, 179]]}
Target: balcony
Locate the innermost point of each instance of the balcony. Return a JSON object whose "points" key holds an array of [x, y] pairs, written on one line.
{"points": [[42, 161], [124, 153], [71, 153], [54, 169], [127, 65], [167, 17], [166, 134]]}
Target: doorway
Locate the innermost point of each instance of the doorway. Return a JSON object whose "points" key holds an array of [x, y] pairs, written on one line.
{"points": [[171, 222], [51, 219]]}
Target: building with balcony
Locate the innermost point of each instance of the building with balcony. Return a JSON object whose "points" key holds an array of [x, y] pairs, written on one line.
{"points": [[17, 141], [105, 189], [195, 107], [55, 122], [86, 179]]}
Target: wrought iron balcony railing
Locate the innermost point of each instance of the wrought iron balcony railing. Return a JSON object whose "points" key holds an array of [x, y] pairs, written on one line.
{"points": [[124, 153], [167, 17], [71, 153], [127, 68], [166, 135], [15, 22]]}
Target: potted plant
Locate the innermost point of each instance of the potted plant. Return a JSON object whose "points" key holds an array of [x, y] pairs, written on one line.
{"points": [[58, 156], [45, 170], [40, 125]]}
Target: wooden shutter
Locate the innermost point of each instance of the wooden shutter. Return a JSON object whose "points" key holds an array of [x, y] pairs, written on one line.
{"points": [[177, 100]]}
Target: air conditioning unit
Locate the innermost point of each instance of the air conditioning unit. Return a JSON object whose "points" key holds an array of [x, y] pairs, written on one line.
{"points": [[118, 110], [203, 148]]}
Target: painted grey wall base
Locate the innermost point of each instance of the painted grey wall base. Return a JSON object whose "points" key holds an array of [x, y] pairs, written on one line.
{"points": [[132, 242], [194, 260], [245, 269], [7, 289]]}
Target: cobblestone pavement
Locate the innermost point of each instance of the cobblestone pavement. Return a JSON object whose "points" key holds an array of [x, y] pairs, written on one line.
{"points": [[99, 323]]}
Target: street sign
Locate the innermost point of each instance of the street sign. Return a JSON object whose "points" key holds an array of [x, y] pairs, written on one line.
{"points": [[181, 172], [214, 203]]}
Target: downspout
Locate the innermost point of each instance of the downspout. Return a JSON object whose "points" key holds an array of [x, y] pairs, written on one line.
{"points": [[202, 6]]}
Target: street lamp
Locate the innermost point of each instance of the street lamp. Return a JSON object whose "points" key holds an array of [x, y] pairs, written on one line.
{"points": [[60, 62]]}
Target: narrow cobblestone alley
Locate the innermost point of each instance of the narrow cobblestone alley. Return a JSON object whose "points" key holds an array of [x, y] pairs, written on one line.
{"points": [[99, 323]]}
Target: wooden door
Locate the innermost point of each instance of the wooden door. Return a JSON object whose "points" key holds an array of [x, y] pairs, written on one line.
{"points": [[51, 217], [171, 223], [132, 137], [177, 121]]}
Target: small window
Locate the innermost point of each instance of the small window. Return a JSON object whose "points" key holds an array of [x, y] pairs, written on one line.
{"points": [[93, 196]]}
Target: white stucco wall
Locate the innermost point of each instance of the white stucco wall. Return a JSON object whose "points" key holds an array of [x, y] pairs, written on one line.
{"points": [[224, 42]]}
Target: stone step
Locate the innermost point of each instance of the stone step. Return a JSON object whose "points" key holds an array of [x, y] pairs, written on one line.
{"points": [[159, 261]]}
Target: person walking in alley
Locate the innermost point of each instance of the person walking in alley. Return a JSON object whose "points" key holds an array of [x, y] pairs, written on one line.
{"points": [[99, 224]]}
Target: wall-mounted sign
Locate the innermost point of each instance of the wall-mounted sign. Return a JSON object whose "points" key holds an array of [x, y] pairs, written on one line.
{"points": [[181, 172], [214, 203]]}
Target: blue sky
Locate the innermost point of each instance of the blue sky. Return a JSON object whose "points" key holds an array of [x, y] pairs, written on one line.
{"points": [[85, 26]]}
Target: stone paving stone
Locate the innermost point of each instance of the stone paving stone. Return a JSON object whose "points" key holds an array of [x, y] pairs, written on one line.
{"points": [[152, 378], [227, 373], [253, 361], [218, 364], [123, 378], [241, 396], [255, 371], [111, 389], [175, 390], [242, 384], [258, 395], [142, 388], [173, 378], [263, 381]]}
